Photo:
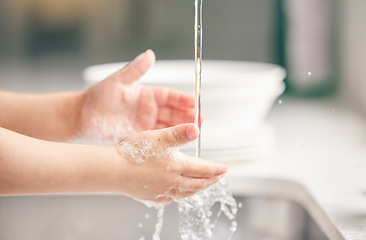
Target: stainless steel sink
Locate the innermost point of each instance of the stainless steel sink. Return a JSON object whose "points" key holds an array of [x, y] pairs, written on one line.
{"points": [[268, 218], [110, 217]]}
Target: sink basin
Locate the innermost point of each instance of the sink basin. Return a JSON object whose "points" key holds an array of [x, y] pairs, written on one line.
{"points": [[110, 216]]}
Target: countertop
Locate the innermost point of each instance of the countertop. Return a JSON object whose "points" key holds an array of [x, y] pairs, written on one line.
{"points": [[319, 160]]}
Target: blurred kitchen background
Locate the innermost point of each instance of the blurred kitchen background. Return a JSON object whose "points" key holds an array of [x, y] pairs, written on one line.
{"points": [[46, 44]]}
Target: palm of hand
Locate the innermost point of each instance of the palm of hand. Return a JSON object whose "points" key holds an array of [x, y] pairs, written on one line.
{"points": [[112, 111]]}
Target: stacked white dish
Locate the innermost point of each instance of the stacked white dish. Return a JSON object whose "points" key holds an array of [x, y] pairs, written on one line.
{"points": [[236, 97]]}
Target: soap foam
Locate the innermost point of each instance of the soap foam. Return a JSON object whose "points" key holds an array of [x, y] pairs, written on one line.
{"points": [[142, 149], [139, 150], [105, 131], [174, 153]]}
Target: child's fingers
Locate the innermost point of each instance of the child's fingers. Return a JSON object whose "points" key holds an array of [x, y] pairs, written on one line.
{"points": [[178, 194], [135, 69], [164, 200], [188, 186], [196, 184], [198, 168], [177, 135], [173, 98], [172, 116]]}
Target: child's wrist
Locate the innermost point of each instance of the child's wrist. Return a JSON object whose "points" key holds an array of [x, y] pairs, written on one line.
{"points": [[71, 113], [117, 168]]}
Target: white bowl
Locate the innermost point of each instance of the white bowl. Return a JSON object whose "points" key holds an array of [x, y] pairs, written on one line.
{"points": [[236, 96]]}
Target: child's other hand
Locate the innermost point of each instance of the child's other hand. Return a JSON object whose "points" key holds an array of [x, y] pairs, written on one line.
{"points": [[115, 107]]}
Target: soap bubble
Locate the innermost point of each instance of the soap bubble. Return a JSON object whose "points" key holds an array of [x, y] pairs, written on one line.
{"points": [[139, 151]]}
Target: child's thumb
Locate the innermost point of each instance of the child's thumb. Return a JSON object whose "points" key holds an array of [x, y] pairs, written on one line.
{"points": [[180, 134], [135, 69]]}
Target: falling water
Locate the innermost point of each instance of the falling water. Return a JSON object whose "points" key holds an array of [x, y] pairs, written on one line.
{"points": [[196, 220], [198, 68]]}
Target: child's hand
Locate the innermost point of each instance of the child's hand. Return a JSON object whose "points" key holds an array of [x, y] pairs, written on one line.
{"points": [[115, 108], [155, 170]]}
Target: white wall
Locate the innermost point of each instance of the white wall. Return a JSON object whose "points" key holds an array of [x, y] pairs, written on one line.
{"points": [[353, 53]]}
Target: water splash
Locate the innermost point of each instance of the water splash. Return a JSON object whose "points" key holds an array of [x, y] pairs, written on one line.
{"points": [[159, 224], [196, 221]]}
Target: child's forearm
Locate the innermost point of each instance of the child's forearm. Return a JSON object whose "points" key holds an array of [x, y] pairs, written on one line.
{"points": [[31, 166], [44, 116], [144, 166]]}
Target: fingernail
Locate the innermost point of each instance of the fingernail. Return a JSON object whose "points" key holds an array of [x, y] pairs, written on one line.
{"points": [[138, 57], [192, 132], [223, 169]]}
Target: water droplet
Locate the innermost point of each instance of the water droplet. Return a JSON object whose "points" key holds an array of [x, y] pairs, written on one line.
{"points": [[279, 101], [209, 213], [234, 226], [147, 216], [309, 73], [140, 225], [146, 186]]}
